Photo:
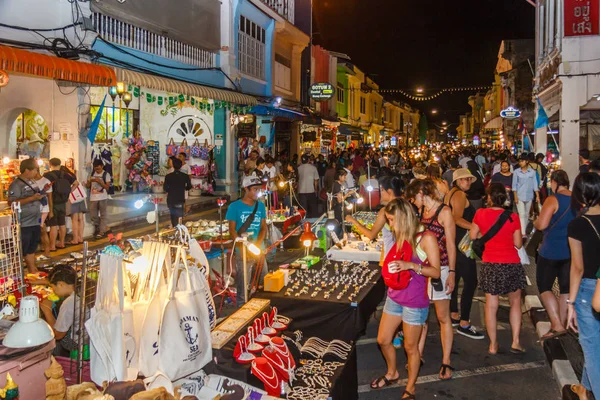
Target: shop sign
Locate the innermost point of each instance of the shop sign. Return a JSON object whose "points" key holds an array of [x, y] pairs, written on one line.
{"points": [[246, 129], [581, 17], [327, 133], [510, 113], [309, 136], [321, 91], [3, 78]]}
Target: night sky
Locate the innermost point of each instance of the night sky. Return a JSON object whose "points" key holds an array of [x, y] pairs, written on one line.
{"points": [[434, 44]]}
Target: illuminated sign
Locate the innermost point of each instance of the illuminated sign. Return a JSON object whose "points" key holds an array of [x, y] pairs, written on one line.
{"points": [[510, 113], [321, 91]]}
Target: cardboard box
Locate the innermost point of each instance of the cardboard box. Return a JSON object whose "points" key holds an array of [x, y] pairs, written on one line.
{"points": [[274, 281]]}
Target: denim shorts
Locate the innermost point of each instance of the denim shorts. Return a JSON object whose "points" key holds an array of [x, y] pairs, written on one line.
{"points": [[411, 316]]}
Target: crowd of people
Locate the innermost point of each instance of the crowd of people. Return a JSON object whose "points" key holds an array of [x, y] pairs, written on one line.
{"points": [[439, 205]]}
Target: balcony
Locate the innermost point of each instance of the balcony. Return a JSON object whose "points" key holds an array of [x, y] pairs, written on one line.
{"points": [[285, 8], [127, 35]]}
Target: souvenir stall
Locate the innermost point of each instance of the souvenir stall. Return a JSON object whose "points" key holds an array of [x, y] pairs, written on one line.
{"points": [[357, 247]]}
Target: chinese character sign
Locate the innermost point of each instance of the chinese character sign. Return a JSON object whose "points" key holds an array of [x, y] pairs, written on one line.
{"points": [[581, 17]]}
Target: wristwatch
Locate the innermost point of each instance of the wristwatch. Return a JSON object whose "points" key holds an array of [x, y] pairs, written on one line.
{"points": [[570, 302]]}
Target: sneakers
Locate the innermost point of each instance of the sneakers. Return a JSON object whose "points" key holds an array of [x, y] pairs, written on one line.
{"points": [[469, 331], [455, 322], [42, 258]]}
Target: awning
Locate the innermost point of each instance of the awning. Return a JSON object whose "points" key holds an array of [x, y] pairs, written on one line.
{"points": [[175, 86], [30, 63], [493, 124], [345, 129], [277, 112]]}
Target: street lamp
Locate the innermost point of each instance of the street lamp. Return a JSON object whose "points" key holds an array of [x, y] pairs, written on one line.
{"points": [[434, 111], [419, 90]]}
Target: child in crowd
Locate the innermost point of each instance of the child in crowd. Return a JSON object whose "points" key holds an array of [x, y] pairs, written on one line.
{"points": [[62, 319]]}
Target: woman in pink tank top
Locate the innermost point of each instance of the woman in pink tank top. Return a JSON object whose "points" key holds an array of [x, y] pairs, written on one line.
{"points": [[408, 306]]}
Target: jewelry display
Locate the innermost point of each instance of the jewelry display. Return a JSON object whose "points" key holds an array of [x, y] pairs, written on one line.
{"points": [[253, 347], [264, 371], [320, 348], [244, 356], [279, 322], [261, 338], [344, 280], [279, 363], [267, 329]]}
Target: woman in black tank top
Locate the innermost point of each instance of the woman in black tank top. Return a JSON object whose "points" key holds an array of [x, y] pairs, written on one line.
{"points": [[466, 268]]}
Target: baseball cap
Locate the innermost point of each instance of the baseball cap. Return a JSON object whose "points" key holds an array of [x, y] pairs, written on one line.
{"points": [[251, 181]]}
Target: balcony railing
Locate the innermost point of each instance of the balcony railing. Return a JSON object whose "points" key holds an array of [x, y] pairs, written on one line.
{"points": [[124, 34], [285, 8]]}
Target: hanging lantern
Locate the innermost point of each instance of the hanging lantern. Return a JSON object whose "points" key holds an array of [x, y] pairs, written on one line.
{"points": [[120, 88], [127, 99], [112, 92]]}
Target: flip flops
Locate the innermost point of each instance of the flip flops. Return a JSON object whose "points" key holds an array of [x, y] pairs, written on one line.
{"points": [[443, 369], [551, 334]]}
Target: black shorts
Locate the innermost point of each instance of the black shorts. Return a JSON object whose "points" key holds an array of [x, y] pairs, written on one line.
{"points": [[30, 238], [60, 212], [547, 271]]}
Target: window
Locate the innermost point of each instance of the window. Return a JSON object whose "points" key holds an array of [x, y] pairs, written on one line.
{"points": [[363, 105], [251, 48], [283, 72], [340, 93], [375, 116]]}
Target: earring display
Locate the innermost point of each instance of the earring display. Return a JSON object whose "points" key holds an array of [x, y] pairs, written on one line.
{"points": [[342, 281], [229, 328]]}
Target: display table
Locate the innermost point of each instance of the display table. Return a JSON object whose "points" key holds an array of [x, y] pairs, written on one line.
{"points": [[351, 253], [327, 319], [289, 221], [330, 318]]}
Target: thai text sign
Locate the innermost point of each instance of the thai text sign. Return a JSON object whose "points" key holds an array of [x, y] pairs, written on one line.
{"points": [[581, 17]]}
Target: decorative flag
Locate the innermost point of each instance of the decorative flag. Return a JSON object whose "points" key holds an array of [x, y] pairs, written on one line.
{"points": [[522, 128], [542, 118], [96, 123]]}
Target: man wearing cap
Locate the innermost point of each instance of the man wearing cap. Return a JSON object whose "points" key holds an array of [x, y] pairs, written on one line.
{"points": [[247, 217], [524, 185]]}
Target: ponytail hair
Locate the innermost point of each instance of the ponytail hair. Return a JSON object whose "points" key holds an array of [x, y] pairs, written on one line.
{"points": [[393, 183], [406, 223], [586, 192]]}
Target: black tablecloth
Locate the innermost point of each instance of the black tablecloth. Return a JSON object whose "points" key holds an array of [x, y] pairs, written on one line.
{"points": [[330, 318], [327, 319]]}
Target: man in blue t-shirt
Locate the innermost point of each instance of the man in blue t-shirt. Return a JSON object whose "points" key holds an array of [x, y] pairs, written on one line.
{"points": [[237, 214]]}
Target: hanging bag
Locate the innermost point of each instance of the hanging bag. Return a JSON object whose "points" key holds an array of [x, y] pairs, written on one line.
{"points": [[205, 151], [110, 327], [185, 148], [78, 195], [184, 339], [195, 149], [397, 280], [172, 148]]}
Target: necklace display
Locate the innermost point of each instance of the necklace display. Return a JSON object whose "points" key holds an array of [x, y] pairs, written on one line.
{"points": [[253, 347], [264, 371], [243, 357]]}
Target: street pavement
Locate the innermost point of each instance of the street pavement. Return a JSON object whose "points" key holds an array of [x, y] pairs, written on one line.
{"points": [[478, 375]]}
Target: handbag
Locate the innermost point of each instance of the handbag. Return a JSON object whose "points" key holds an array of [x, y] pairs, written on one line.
{"points": [[397, 280], [185, 148], [172, 148], [478, 245], [110, 327], [195, 149], [205, 151], [543, 235], [184, 340]]}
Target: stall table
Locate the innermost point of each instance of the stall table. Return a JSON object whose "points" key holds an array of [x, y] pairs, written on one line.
{"points": [[350, 253], [327, 319], [289, 221]]}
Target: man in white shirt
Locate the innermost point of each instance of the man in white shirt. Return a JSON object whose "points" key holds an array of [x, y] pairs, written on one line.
{"points": [[98, 184], [350, 182], [308, 185]]}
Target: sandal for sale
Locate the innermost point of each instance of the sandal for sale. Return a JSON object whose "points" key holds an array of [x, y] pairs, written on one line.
{"points": [[443, 369], [386, 382]]}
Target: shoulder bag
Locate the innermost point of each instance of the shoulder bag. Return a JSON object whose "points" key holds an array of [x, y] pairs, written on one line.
{"points": [[479, 244], [248, 221], [592, 224]]}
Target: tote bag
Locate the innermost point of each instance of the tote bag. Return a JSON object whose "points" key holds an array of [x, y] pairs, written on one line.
{"points": [[184, 339], [151, 287], [110, 327], [152, 319], [78, 195]]}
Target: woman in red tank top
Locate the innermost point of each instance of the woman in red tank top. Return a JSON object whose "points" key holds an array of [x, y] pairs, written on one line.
{"points": [[437, 219]]}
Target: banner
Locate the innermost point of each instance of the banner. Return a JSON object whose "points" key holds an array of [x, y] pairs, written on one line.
{"points": [[581, 17]]}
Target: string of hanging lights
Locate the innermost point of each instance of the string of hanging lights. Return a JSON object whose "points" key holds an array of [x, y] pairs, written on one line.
{"points": [[421, 97]]}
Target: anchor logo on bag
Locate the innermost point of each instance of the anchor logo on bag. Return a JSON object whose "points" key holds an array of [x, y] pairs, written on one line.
{"points": [[188, 330]]}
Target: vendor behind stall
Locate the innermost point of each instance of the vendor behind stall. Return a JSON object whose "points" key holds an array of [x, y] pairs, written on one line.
{"points": [[247, 216], [62, 280]]}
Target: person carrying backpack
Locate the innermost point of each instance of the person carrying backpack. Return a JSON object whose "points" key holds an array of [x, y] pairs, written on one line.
{"points": [[99, 183], [63, 183]]}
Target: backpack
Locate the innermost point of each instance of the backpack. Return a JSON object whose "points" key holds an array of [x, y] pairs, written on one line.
{"points": [[111, 187], [61, 188]]}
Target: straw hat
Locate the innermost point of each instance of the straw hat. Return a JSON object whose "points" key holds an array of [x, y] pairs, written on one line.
{"points": [[462, 173]]}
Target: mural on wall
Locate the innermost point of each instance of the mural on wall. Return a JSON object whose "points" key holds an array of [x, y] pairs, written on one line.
{"points": [[166, 116], [32, 132]]}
